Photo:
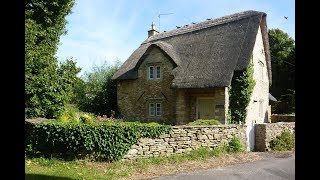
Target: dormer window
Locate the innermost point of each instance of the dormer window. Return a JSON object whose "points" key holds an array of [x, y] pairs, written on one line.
{"points": [[154, 72]]}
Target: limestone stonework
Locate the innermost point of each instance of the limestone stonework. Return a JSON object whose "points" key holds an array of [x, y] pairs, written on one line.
{"points": [[178, 106], [134, 96], [265, 132], [282, 118], [186, 138]]}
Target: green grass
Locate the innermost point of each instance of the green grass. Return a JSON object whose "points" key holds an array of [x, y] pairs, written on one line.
{"points": [[41, 168]]}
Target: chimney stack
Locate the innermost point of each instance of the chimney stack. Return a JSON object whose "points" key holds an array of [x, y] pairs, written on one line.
{"points": [[153, 30]]}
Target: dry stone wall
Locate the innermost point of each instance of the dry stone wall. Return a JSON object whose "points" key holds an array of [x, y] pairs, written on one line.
{"points": [[265, 132], [186, 138]]}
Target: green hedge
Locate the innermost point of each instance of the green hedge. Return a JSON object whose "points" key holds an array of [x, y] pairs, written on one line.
{"points": [[107, 141], [204, 122]]}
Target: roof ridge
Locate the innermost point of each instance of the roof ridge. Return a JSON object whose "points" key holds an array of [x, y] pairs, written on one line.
{"points": [[203, 25]]}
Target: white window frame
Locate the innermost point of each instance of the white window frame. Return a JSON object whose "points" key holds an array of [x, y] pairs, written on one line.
{"points": [[152, 111], [149, 70], [154, 72], [156, 69], [158, 113]]}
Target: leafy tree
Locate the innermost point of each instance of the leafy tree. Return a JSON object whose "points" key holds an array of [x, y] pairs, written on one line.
{"points": [[98, 92], [44, 24], [68, 78], [282, 49]]}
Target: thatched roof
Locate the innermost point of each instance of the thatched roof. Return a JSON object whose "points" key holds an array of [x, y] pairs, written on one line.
{"points": [[205, 54]]}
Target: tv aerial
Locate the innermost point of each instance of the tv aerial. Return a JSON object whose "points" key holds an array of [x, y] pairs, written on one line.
{"points": [[159, 16]]}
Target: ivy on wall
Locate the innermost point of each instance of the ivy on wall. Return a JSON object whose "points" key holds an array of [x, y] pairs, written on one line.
{"points": [[240, 92]]}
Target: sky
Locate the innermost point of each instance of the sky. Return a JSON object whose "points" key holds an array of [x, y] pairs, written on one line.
{"points": [[106, 31]]}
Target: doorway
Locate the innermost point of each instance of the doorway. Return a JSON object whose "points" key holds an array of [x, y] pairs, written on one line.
{"points": [[205, 108]]}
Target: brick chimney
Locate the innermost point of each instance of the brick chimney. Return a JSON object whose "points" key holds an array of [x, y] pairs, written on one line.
{"points": [[153, 30]]}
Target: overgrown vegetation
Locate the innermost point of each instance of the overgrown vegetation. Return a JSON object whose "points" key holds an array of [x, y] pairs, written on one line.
{"points": [[235, 145], [102, 141], [283, 142], [240, 91], [204, 122]]}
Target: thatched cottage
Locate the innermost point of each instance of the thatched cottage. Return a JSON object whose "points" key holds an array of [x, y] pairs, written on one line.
{"points": [[182, 75]]}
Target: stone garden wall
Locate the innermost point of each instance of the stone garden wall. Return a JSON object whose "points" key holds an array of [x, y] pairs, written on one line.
{"points": [[186, 138], [265, 132], [282, 118]]}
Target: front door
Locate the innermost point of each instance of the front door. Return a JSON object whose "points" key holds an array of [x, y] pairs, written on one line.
{"points": [[205, 108]]}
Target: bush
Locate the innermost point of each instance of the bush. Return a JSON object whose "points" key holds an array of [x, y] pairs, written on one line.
{"points": [[204, 122], [235, 145], [68, 116], [103, 141], [87, 119], [283, 142]]}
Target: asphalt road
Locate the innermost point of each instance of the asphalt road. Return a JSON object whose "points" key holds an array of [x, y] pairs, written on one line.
{"points": [[271, 167]]}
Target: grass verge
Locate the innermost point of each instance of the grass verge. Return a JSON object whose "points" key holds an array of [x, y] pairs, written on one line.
{"points": [[42, 168]]}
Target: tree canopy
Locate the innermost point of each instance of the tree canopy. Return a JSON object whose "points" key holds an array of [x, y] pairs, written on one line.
{"points": [[97, 93], [282, 50], [44, 24]]}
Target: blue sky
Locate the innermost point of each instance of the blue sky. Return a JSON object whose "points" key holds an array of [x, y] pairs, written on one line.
{"points": [[107, 30]]}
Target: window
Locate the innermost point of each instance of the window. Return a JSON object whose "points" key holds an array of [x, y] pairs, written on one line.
{"points": [[154, 72], [155, 109], [261, 69], [158, 72], [151, 109], [151, 74], [261, 108], [158, 109]]}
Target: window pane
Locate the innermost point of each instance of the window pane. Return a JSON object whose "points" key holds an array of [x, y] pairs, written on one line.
{"points": [[158, 72], [158, 109], [151, 109], [151, 72], [260, 109]]}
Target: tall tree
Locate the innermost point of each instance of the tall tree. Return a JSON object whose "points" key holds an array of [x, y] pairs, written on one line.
{"points": [[282, 49], [44, 24]]}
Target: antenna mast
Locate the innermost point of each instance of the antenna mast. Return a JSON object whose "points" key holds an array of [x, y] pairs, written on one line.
{"points": [[159, 15]]}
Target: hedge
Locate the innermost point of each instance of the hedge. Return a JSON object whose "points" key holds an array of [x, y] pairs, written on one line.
{"points": [[107, 141]]}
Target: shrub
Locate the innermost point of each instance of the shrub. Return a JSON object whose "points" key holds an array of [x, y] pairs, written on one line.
{"points": [[87, 119], [68, 116], [103, 141], [235, 145], [283, 142], [204, 122]]}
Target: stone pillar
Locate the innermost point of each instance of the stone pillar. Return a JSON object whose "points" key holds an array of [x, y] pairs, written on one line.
{"points": [[226, 104], [181, 107]]}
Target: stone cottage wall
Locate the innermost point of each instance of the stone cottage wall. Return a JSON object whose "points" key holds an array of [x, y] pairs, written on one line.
{"points": [[265, 132], [282, 118], [186, 138], [135, 95]]}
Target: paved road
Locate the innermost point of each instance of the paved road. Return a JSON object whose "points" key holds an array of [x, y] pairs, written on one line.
{"points": [[272, 167]]}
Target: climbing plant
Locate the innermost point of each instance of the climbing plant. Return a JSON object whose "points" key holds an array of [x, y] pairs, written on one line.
{"points": [[240, 92]]}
